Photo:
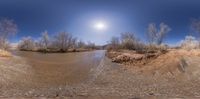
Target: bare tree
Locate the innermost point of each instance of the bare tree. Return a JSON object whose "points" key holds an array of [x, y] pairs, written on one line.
{"points": [[7, 28], [128, 41], [64, 41], [81, 44], [114, 43], [195, 26], [91, 45], [27, 43], [152, 33], [73, 43], [155, 35], [45, 40]]}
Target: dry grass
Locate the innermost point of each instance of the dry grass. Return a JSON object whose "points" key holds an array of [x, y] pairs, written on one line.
{"points": [[131, 57], [4, 53], [174, 62]]}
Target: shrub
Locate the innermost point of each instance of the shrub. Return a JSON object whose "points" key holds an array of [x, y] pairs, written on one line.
{"points": [[63, 41], [7, 28], [4, 53], [27, 44], [114, 44], [128, 41], [157, 35], [189, 42]]}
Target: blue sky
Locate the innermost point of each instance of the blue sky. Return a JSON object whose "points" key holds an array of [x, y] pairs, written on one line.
{"points": [[79, 16]]}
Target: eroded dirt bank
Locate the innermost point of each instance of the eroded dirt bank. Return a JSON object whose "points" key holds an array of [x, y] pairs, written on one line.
{"points": [[96, 77]]}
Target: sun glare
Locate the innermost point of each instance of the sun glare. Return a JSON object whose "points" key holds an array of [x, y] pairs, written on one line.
{"points": [[100, 26]]}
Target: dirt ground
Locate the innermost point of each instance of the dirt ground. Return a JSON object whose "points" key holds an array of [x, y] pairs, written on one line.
{"points": [[161, 78]]}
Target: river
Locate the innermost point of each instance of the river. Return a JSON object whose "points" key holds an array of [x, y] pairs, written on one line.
{"points": [[62, 68]]}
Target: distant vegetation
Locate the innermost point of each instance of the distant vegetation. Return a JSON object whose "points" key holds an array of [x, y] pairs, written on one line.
{"points": [[61, 42], [64, 41], [155, 39], [7, 29], [129, 41], [192, 42], [189, 43]]}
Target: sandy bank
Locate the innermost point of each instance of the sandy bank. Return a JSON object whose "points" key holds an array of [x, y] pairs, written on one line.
{"points": [[4, 53]]}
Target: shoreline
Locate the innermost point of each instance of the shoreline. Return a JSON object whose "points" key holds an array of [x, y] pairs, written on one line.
{"points": [[114, 80], [49, 52]]}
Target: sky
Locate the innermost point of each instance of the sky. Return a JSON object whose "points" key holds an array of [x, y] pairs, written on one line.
{"points": [[82, 18]]}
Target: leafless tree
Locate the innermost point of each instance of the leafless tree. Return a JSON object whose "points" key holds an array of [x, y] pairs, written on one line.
{"points": [[81, 44], [7, 28], [45, 40], [64, 41], [91, 45], [27, 43], [152, 33], [73, 43], [128, 41], [114, 43], [195, 26], [155, 35]]}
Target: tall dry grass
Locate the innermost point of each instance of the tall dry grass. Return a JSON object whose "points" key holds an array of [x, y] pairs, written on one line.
{"points": [[4, 53]]}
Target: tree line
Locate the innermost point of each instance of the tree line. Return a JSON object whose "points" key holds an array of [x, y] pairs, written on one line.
{"points": [[64, 41], [61, 42], [155, 35], [155, 38]]}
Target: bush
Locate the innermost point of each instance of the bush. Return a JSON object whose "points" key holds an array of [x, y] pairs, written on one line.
{"points": [[114, 44], [129, 41], [189, 42], [126, 41], [27, 44], [4, 53]]}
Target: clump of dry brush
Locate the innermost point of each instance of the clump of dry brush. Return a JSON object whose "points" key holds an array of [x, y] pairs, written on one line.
{"points": [[129, 49], [129, 41]]}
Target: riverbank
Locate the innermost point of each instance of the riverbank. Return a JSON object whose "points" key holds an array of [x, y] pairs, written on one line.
{"points": [[59, 51], [131, 57], [90, 75], [172, 60], [4, 53]]}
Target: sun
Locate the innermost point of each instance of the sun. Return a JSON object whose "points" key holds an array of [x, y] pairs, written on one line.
{"points": [[100, 26]]}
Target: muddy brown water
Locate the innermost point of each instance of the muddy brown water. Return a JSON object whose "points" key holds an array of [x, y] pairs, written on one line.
{"points": [[57, 69]]}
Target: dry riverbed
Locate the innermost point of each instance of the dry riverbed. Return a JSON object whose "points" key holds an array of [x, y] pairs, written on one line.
{"points": [[91, 75]]}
